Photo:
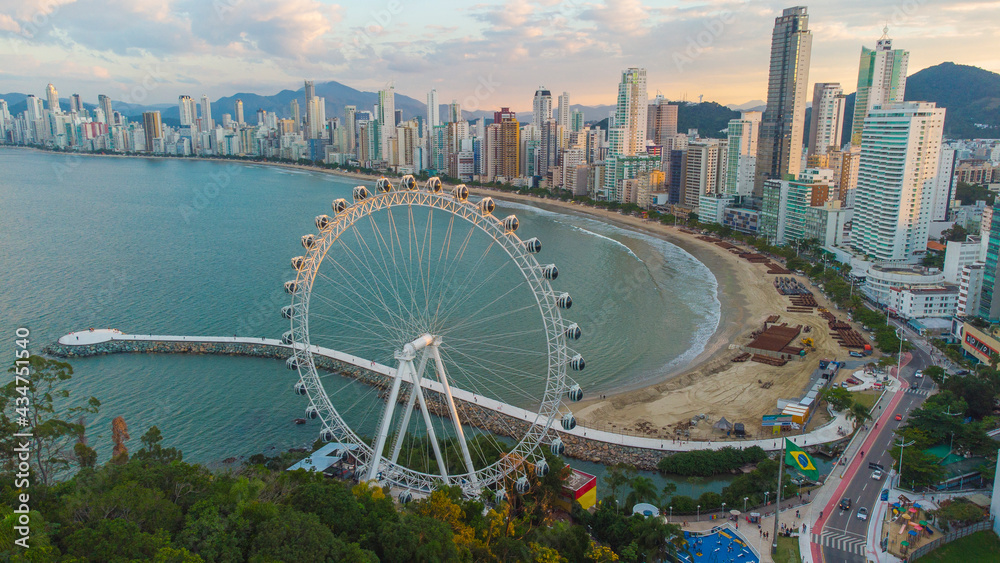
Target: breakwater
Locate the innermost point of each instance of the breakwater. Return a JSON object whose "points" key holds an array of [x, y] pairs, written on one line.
{"points": [[470, 412]]}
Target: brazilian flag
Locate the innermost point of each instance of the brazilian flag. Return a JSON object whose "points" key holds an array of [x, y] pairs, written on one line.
{"points": [[795, 457]]}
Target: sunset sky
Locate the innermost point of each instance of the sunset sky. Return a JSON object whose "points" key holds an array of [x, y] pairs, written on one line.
{"points": [[715, 48]]}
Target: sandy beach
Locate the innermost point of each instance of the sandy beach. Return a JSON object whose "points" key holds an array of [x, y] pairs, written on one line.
{"points": [[711, 384]]}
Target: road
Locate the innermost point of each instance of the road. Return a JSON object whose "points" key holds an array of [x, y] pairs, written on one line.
{"points": [[842, 534]]}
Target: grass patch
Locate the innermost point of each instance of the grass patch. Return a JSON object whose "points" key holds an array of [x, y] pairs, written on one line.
{"points": [[788, 550], [866, 398], [981, 546]]}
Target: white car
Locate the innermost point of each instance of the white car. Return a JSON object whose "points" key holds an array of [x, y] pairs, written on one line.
{"points": [[877, 475], [862, 513], [919, 373]]}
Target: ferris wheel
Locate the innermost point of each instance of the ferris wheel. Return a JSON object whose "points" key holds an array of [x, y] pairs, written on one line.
{"points": [[455, 304]]}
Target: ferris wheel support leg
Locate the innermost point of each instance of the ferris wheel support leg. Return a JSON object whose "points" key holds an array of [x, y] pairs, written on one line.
{"points": [[459, 432], [419, 391], [383, 428]]}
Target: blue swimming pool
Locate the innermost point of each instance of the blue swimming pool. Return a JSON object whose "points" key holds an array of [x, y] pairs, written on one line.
{"points": [[722, 545]]}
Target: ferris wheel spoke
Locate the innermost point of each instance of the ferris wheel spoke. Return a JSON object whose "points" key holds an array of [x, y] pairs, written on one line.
{"points": [[478, 391], [470, 294], [444, 278], [481, 320], [482, 344], [403, 278], [377, 277], [465, 295], [372, 315]]}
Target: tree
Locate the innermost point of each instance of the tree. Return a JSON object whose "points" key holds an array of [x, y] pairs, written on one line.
{"points": [[936, 374], [618, 476], [959, 511], [153, 452], [643, 490], [838, 397], [859, 413], [35, 397]]}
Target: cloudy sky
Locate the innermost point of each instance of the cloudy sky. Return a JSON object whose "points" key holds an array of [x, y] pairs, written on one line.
{"points": [[482, 54]]}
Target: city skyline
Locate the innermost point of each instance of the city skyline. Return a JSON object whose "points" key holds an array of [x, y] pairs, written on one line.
{"points": [[513, 46]]}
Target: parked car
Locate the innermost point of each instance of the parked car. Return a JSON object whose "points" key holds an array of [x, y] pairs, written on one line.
{"points": [[845, 503], [877, 474], [884, 495], [856, 354], [853, 381], [862, 513]]}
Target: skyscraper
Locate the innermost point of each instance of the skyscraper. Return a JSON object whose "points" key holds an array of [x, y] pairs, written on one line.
{"points": [[628, 135], [743, 135], [881, 80], [350, 134], [207, 124], [563, 112], [105, 103], [310, 91], [576, 120], [780, 150], [75, 103], [296, 113], [152, 128], [53, 98], [661, 122], [900, 148], [188, 111], [827, 123], [239, 111], [433, 112], [454, 112], [541, 107], [387, 121]]}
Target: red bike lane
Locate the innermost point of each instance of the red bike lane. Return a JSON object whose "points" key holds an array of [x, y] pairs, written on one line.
{"points": [[852, 469]]}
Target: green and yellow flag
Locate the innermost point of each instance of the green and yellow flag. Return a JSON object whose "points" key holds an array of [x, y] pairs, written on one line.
{"points": [[795, 457]]}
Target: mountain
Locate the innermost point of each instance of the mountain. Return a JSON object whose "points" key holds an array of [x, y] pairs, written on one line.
{"points": [[752, 105], [971, 94]]}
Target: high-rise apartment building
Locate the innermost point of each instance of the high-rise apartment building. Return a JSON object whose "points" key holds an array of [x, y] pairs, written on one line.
{"points": [[881, 80], [576, 121], [433, 112], [239, 112], [827, 123], [628, 135], [188, 111], [386, 118], [661, 122], [502, 146], [900, 148], [454, 112], [743, 135], [944, 185], [207, 124], [780, 150], [76, 103], [152, 127], [296, 113], [541, 107], [105, 103], [53, 98], [350, 129], [563, 112], [705, 170]]}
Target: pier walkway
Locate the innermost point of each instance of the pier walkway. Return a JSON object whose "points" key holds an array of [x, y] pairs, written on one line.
{"points": [[825, 434]]}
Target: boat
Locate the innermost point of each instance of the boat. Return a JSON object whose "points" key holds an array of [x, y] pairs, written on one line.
{"points": [[299, 421]]}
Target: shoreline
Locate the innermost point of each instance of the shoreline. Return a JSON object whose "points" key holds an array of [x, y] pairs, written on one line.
{"points": [[708, 383]]}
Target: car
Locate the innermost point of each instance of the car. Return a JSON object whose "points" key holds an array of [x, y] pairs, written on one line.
{"points": [[919, 373], [884, 495], [845, 503], [853, 381], [877, 475], [856, 354], [862, 513], [899, 417]]}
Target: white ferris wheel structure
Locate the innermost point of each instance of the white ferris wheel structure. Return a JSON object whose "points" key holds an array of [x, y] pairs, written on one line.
{"points": [[455, 302]]}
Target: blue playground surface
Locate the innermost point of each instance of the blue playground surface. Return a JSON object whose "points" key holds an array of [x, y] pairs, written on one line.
{"points": [[722, 545]]}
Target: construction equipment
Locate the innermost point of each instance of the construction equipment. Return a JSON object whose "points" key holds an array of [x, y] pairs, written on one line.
{"points": [[809, 342]]}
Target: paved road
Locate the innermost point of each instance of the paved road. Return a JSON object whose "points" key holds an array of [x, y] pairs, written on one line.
{"points": [[842, 534]]}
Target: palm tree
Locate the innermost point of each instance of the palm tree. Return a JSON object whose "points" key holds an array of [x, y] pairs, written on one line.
{"points": [[643, 490], [859, 413]]}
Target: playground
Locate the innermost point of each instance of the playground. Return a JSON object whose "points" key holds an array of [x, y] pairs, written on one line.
{"points": [[721, 544]]}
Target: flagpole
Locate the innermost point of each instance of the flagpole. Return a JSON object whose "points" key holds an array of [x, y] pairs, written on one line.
{"points": [[777, 509]]}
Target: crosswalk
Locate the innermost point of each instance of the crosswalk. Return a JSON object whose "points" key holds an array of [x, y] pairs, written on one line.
{"points": [[851, 543], [923, 392]]}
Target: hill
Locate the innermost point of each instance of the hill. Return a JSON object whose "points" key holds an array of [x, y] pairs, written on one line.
{"points": [[971, 94]]}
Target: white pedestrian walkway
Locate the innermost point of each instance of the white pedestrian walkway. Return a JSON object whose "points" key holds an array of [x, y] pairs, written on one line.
{"points": [[826, 433]]}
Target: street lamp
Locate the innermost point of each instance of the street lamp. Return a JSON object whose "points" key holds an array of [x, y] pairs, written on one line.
{"points": [[899, 360], [699, 513], [671, 513], [901, 446], [745, 499], [765, 497], [723, 510]]}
